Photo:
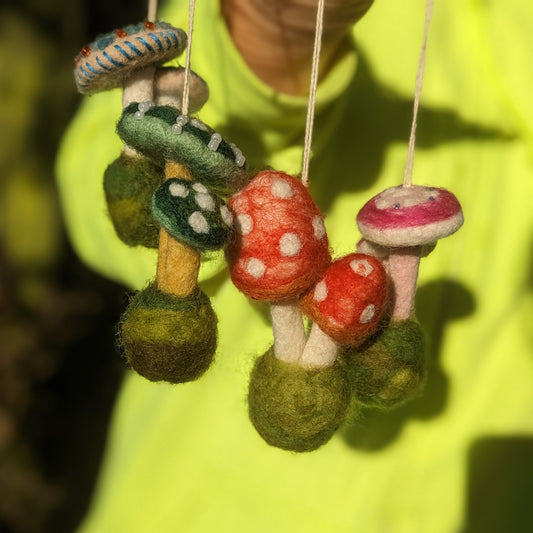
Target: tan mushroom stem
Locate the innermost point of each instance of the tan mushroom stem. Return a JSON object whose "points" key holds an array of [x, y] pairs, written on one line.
{"points": [[139, 87], [288, 330], [403, 269], [320, 350], [177, 264]]}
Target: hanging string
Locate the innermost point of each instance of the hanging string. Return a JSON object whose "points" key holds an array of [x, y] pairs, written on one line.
{"points": [[408, 171], [185, 100], [312, 93], [152, 10]]}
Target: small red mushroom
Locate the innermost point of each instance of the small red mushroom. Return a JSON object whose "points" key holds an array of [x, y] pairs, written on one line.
{"points": [[346, 306], [280, 250]]}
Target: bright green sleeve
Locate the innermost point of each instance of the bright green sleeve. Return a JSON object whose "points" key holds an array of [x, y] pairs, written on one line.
{"points": [[185, 458]]}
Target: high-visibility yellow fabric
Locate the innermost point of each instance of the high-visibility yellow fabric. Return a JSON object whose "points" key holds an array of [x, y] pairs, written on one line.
{"points": [[185, 458]]}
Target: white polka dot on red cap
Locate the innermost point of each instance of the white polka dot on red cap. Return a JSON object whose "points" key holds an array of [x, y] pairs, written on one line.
{"points": [[321, 291], [361, 267], [281, 189], [255, 267], [318, 227], [289, 245], [245, 224], [368, 314]]}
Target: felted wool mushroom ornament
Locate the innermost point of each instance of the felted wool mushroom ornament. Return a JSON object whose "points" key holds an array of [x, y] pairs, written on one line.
{"points": [[128, 58], [130, 181], [401, 224], [280, 250], [346, 305], [169, 330]]}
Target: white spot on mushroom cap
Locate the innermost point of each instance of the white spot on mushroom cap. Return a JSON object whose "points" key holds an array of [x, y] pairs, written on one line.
{"points": [[281, 189], [200, 187], [368, 314], [255, 268], [318, 227], [198, 222], [289, 245], [245, 224], [227, 215], [178, 189], [361, 267], [205, 201], [321, 291]]}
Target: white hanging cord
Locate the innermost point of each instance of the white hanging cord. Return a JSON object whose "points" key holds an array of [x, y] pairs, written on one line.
{"points": [[185, 100], [152, 10], [312, 93], [408, 171]]}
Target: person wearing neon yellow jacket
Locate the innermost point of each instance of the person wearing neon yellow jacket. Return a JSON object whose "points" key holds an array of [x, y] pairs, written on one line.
{"points": [[186, 458]]}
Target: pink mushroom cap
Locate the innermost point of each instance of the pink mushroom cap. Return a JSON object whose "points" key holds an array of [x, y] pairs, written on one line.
{"points": [[410, 216]]}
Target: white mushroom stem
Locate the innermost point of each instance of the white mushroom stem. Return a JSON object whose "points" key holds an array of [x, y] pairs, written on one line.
{"points": [[403, 268], [139, 87], [288, 329], [320, 350]]}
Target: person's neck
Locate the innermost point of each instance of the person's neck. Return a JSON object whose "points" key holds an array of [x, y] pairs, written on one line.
{"points": [[276, 38]]}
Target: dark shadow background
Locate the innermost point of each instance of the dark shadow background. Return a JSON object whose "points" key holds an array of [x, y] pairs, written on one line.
{"points": [[59, 373]]}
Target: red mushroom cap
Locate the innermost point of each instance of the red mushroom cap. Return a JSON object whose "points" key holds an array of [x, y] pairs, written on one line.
{"points": [[410, 216], [281, 246], [349, 299]]}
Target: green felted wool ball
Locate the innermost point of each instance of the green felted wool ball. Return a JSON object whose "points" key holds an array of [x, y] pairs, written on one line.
{"points": [[166, 338], [296, 408], [129, 183], [390, 370]]}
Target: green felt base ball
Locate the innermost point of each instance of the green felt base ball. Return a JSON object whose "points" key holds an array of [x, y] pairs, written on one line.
{"points": [[129, 183], [390, 370], [296, 408], [166, 338]]}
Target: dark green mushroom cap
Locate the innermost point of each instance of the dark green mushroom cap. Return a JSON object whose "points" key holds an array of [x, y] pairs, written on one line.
{"points": [[191, 214], [154, 135]]}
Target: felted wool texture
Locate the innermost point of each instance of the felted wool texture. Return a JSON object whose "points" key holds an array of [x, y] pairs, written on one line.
{"points": [[410, 216], [178, 266], [166, 338], [280, 247], [191, 214], [129, 183], [153, 136], [168, 88], [106, 62], [390, 370], [295, 408], [348, 301]]}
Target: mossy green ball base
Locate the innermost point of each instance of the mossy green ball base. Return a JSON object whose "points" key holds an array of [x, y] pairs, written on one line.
{"points": [[129, 183], [391, 370], [295, 408], [166, 338]]}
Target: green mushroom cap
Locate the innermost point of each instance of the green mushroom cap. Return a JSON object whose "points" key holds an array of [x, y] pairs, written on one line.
{"points": [[156, 134], [191, 214]]}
